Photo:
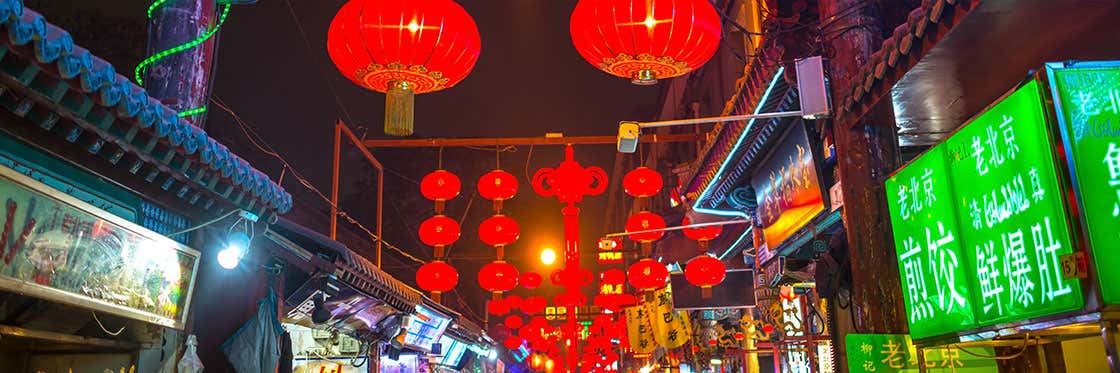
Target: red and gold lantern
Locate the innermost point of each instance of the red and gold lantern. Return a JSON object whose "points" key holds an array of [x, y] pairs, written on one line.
{"points": [[499, 231], [701, 234], [647, 274], [646, 40], [497, 186], [497, 277], [403, 48], [439, 187], [645, 221], [437, 277], [642, 182], [705, 271], [439, 231]]}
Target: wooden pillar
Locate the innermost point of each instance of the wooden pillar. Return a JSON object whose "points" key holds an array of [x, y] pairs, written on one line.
{"points": [[867, 150]]}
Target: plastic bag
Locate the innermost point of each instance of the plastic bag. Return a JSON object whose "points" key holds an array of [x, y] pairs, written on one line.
{"points": [[190, 363], [255, 347]]}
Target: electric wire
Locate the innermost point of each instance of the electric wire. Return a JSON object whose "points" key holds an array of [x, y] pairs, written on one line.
{"points": [[315, 61], [118, 332], [210, 222], [1026, 343]]}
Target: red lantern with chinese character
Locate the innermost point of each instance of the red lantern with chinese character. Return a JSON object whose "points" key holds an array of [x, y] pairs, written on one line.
{"points": [[705, 271], [499, 231], [642, 182], [648, 274], [439, 231], [531, 280], [645, 221], [437, 277], [440, 186], [646, 40], [701, 234], [497, 186], [403, 48], [612, 277], [497, 277]]}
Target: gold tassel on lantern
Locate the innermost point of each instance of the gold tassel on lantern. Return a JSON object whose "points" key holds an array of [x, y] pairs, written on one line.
{"points": [[399, 102]]}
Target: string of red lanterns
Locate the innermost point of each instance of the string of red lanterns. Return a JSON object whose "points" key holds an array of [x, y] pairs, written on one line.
{"points": [[439, 231]]}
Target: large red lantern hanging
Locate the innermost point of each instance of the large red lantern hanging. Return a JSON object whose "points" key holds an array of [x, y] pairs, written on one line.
{"points": [[701, 234], [499, 231], [437, 277], [646, 40], [705, 271], [497, 186], [645, 221], [648, 274], [403, 48], [642, 182], [439, 231], [440, 186], [497, 277], [531, 280]]}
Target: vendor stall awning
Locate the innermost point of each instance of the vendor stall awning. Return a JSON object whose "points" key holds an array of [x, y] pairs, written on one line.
{"points": [[74, 96]]}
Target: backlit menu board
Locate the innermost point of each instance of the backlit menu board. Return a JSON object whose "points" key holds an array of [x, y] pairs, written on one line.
{"points": [[1087, 97], [980, 223], [787, 189], [424, 328]]}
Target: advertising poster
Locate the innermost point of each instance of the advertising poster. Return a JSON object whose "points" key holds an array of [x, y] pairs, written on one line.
{"points": [[788, 189]]}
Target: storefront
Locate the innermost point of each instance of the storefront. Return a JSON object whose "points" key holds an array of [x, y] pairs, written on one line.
{"points": [[100, 186]]}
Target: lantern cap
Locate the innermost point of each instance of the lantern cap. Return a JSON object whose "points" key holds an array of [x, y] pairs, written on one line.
{"points": [[644, 77]]}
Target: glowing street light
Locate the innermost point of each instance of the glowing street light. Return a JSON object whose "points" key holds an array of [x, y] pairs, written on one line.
{"points": [[548, 256]]}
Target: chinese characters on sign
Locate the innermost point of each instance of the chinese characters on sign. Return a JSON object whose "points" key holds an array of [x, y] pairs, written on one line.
{"points": [[788, 190], [980, 224], [896, 354], [1087, 97]]}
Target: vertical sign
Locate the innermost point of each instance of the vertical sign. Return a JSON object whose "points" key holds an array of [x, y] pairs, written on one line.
{"points": [[1012, 211], [1088, 100], [931, 257], [788, 189]]}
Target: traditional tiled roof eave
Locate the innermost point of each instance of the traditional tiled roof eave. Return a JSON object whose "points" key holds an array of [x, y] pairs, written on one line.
{"points": [[41, 67], [925, 26]]}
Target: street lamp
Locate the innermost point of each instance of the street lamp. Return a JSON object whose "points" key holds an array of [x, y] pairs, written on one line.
{"points": [[548, 256]]}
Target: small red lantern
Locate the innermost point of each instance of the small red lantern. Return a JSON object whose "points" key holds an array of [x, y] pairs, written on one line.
{"points": [[499, 231], [497, 277], [403, 48], [642, 182], [513, 342], [612, 277], [701, 234], [644, 221], [440, 186], [705, 271], [497, 307], [615, 302], [648, 274], [513, 302], [646, 40], [497, 186], [534, 305], [439, 231], [531, 280], [437, 277], [514, 322]]}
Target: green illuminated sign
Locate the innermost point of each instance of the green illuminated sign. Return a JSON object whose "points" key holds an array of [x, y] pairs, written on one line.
{"points": [[980, 223], [895, 353], [1088, 100]]}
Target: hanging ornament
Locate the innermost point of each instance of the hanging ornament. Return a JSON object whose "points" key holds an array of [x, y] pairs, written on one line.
{"points": [[514, 321], [646, 40], [440, 186], [615, 302], [497, 186], [642, 182], [701, 234], [513, 302], [497, 277], [403, 48], [499, 231], [531, 280], [534, 305], [612, 277], [437, 277], [705, 271], [439, 231], [644, 221], [497, 307], [648, 274], [513, 342]]}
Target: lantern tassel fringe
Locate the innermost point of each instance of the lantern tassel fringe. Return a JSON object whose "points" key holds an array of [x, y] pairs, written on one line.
{"points": [[399, 109]]}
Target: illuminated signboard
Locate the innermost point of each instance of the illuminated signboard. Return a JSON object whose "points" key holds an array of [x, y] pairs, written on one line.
{"points": [[1087, 96], [58, 248], [980, 223], [894, 353], [788, 189], [424, 328], [610, 257]]}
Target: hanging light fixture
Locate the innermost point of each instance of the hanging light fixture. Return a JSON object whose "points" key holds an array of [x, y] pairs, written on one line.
{"points": [[646, 40], [403, 48]]}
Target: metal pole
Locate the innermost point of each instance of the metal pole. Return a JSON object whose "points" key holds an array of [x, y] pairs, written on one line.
{"points": [[1108, 333], [731, 118], [380, 203], [503, 141], [677, 228], [334, 180]]}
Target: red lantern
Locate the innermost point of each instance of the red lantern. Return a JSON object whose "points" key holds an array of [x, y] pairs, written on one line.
{"points": [[646, 40], [534, 305], [514, 321], [701, 234], [439, 231], [513, 302], [513, 342], [499, 231], [497, 277], [497, 186], [705, 271], [612, 277], [648, 274], [403, 48], [531, 280], [440, 186], [615, 302], [497, 307], [644, 221], [437, 277], [642, 182]]}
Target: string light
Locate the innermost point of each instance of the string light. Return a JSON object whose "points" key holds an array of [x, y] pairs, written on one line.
{"points": [[181, 47], [195, 111], [152, 8]]}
